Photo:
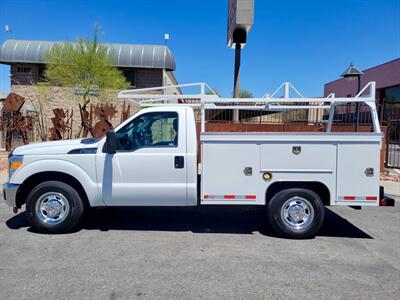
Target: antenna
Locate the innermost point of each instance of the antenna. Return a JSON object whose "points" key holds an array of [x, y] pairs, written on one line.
{"points": [[166, 38]]}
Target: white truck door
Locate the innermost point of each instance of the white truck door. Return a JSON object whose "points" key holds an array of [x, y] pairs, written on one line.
{"points": [[149, 167]]}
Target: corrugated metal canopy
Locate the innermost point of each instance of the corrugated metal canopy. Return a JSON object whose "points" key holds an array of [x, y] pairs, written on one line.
{"points": [[126, 55]]}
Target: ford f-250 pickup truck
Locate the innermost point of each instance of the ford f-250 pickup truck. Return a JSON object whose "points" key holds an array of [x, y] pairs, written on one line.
{"points": [[151, 160]]}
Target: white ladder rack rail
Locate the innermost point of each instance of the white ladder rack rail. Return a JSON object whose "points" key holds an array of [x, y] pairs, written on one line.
{"points": [[206, 98]]}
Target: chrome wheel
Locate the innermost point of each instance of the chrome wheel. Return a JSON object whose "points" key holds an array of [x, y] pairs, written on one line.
{"points": [[297, 213], [52, 208]]}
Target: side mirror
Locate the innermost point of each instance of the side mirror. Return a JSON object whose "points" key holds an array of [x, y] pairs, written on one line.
{"points": [[111, 142]]}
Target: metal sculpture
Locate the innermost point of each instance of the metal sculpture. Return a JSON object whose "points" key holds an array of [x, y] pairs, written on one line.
{"points": [[126, 109], [13, 122], [62, 124], [104, 114]]}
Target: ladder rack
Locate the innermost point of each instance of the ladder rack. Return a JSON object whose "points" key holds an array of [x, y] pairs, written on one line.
{"points": [[206, 99]]}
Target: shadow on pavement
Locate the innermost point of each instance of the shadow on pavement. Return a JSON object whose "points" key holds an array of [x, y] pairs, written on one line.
{"points": [[211, 219]]}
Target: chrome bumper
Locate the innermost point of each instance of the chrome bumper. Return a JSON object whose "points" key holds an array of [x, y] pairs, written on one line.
{"points": [[10, 193]]}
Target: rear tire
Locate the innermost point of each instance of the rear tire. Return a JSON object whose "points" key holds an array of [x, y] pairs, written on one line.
{"points": [[296, 213], [54, 207]]}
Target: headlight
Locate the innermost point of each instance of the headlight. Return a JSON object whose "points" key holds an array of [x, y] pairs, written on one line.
{"points": [[14, 162]]}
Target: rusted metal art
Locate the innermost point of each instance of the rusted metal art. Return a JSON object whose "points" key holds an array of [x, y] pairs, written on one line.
{"points": [[126, 109], [105, 111], [13, 102], [13, 123], [86, 121], [62, 124], [104, 114]]}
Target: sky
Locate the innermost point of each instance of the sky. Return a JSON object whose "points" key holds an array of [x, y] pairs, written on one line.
{"points": [[308, 42]]}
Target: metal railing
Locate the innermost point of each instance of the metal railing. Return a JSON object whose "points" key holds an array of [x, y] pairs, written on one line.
{"points": [[209, 107]]}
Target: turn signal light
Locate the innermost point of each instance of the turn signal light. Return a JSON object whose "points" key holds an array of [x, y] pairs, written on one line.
{"points": [[16, 164]]}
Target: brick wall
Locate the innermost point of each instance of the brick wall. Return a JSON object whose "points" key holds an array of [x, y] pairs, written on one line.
{"points": [[28, 74], [148, 78]]}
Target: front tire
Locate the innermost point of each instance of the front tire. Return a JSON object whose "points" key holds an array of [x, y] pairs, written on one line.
{"points": [[54, 207], [296, 213]]}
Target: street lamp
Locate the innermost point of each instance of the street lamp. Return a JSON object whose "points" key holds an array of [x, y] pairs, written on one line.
{"points": [[352, 73]]}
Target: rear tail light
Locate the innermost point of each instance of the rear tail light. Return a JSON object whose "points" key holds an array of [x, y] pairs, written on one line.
{"points": [[384, 200]]}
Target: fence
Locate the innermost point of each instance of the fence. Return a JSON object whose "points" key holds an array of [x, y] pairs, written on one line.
{"points": [[393, 144]]}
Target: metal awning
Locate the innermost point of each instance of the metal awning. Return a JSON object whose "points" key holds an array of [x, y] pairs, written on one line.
{"points": [[126, 55]]}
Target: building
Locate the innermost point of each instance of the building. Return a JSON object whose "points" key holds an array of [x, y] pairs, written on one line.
{"points": [[143, 66], [387, 78]]}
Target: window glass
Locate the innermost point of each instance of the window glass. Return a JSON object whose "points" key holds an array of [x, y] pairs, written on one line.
{"points": [[158, 129], [392, 94], [391, 103]]}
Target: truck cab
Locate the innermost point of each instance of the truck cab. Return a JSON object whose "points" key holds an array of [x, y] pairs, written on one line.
{"points": [[155, 160], [154, 164]]}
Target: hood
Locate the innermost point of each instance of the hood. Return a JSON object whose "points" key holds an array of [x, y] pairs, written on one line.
{"points": [[56, 147]]}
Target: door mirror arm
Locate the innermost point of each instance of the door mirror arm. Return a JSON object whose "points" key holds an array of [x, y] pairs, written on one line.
{"points": [[111, 142]]}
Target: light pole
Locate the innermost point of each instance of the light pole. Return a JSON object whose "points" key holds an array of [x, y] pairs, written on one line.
{"points": [[236, 79], [352, 73], [240, 20]]}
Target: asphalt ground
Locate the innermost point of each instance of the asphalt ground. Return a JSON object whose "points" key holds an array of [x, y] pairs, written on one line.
{"points": [[202, 253]]}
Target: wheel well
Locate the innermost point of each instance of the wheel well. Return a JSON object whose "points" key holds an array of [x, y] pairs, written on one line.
{"points": [[317, 187], [38, 178]]}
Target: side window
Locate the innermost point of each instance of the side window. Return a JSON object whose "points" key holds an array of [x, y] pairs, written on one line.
{"points": [[158, 129]]}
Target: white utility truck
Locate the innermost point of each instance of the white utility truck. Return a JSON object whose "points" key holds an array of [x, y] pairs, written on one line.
{"points": [[151, 160]]}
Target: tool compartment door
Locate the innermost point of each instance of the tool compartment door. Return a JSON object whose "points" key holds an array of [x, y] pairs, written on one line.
{"points": [[224, 180], [355, 183]]}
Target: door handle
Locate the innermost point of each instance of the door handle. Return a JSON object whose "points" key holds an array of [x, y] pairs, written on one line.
{"points": [[179, 162]]}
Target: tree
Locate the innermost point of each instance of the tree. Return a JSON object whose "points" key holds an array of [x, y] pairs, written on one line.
{"points": [[245, 94], [85, 66]]}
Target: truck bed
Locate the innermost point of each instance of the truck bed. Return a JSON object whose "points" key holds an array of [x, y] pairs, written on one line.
{"points": [[340, 161]]}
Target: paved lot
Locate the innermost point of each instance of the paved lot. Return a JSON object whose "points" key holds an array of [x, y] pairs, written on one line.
{"points": [[202, 253]]}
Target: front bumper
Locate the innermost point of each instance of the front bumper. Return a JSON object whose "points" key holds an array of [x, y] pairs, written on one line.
{"points": [[10, 193]]}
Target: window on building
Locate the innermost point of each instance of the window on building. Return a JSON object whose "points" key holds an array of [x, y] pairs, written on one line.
{"points": [[392, 94], [130, 76], [391, 102], [42, 73]]}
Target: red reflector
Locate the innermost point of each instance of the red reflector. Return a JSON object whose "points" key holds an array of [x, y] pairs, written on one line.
{"points": [[250, 197], [205, 196], [386, 202], [373, 198], [229, 196], [349, 198]]}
